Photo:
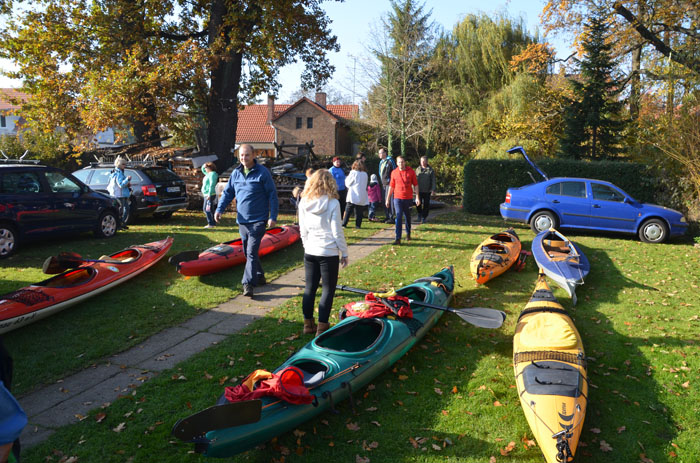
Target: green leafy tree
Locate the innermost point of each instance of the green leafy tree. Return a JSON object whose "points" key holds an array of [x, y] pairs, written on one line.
{"points": [[593, 122], [92, 64]]}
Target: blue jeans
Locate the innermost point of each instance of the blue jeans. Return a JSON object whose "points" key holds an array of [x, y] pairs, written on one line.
{"points": [[403, 207], [372, 210], [391, 210], [251, 236], [319, 269], [209, 209], [124, 209]]}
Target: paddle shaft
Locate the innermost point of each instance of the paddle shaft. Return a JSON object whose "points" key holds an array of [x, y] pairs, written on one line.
{"points": [[477, 316]]}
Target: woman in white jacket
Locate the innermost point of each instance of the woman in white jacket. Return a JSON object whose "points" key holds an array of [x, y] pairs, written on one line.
{"points": [[325, 248], [357, 198]]}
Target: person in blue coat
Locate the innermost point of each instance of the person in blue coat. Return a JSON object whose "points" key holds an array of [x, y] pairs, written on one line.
{"points": [[119, 188], [339, 175], [252, 187]]}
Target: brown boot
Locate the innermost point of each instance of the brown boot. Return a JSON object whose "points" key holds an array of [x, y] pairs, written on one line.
{"points": [[309, 326], [322, 327]]}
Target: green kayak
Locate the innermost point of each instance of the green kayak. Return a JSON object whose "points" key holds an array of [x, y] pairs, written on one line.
{"points": [[337, 363]]}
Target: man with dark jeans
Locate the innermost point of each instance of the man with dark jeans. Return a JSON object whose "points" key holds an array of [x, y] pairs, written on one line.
{"points": [[256, 206], [426, 186], [404, 187]]}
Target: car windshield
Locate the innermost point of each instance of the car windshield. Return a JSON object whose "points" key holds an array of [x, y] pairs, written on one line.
{"points": [[160, 174]]}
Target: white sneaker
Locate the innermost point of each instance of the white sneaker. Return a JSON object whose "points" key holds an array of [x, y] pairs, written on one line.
{"points": [[209, 226]]}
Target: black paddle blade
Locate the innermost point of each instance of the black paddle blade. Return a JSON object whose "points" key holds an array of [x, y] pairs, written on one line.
{"points": [[183, 256], [217, 417], [51, 266], [481, 316]]}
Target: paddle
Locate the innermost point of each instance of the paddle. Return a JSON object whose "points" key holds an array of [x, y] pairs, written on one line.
{"points": [[477, 316], [67, 260], [217, 417], [183, 256]]}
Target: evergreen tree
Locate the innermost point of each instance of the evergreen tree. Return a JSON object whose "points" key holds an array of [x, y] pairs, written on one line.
{"points": [[593, 122]]}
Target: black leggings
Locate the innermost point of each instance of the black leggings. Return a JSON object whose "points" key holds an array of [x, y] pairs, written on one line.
{"points": [[320, 268], [359, 213]]}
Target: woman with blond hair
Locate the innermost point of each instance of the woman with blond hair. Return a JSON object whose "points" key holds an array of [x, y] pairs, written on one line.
{"points": [[325, 249]]}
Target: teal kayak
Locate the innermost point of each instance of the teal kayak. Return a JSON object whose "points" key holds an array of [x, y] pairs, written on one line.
{"points": [[335, 365]]}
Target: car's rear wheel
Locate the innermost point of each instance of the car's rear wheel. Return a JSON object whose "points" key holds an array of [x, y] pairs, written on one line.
{"points": [[8, 240], [543, 220], [107, 225], [653, 231]]}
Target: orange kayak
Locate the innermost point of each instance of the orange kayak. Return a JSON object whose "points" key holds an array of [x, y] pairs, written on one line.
{"points": [[230, 253], [39, 300], [495, 255]]}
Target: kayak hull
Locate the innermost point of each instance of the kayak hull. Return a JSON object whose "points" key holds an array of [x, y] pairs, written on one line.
{"points": [[550, 371], [561, 260], [39, 300], [349, 355], [495, 255], [229, 254]]}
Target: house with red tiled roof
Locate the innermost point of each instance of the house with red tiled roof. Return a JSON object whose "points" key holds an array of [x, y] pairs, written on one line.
{"points": [[306, 121], [10, 102]]}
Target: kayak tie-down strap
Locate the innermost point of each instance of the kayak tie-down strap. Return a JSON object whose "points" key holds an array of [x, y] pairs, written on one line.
{"points": [[287, 385], [543, 309], [536, 356], [27, 297]]}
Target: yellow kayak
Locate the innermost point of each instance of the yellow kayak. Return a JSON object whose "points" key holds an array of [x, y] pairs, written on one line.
{"points": [[550, 373]]}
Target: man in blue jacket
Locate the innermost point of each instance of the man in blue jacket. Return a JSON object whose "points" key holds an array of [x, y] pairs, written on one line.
{"points": [[252, 187]]}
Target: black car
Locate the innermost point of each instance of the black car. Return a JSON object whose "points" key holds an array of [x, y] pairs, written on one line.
{"points": [[38, 201], [155, 190]]}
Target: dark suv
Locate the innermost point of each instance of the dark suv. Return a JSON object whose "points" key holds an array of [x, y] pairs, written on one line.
{"points": [[155, 190], [39, 201]]}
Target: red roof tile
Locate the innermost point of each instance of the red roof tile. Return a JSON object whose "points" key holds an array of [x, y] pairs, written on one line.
{"points": [[7, 94]]}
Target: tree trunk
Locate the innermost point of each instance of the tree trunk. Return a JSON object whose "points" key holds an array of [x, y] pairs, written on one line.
{"points": [[222, 112], [146, 128], [635, 83]]}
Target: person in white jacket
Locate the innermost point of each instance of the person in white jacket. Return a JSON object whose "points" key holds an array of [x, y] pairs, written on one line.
{"points": [[357, 198], [325, 249]]}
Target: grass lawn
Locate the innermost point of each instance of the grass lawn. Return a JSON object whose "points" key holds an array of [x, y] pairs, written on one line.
{"points": [[451, 398]]}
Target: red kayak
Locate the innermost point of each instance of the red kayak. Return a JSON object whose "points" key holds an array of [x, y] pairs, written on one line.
{"points": [[229, 254], [40, 300]]}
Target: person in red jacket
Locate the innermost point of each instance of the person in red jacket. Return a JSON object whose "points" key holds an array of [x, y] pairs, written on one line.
{"points": [[404, 187]]}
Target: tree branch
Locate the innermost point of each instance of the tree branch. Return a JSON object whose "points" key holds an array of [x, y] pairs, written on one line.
{"points": [[181, 37], [680, 58]]}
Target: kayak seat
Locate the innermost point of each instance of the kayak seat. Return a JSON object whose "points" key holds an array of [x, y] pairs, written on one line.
{"points": [[314, 372], [358, 335], [552, 378], [110, 260]]}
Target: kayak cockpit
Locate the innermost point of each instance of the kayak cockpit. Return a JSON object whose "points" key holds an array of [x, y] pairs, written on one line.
{"points": [[358, 335], [69, 279]]}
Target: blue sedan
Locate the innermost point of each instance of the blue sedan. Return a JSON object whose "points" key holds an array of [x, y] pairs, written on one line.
{"points": [[584, 203]]}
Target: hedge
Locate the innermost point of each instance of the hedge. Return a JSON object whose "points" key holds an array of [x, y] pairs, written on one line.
{"points": [[486, 180]]}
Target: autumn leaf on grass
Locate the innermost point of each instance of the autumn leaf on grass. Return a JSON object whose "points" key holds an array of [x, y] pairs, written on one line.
{"points": [[413, 442], [497, 404], [436, 447], [686, 385], [207, 375], [372, 445], [605, 447], [595, 430], [359, 459], [528, 442], [100, 416], [403, 377], [438, 391], [352, 426], [621, 429], [508, 448], [454, 390], [492, 459], [643, 458], [371, 409], [119, 428]]}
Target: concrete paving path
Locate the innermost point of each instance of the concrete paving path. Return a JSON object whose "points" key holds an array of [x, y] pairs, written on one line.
{"points": [[71, 398]]}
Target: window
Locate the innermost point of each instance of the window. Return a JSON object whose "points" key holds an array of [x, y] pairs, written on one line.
{"points": [[59, 183], [309, 122], [20, 182], [298, 122], [3, 121], [606, 193], [575, 189]]}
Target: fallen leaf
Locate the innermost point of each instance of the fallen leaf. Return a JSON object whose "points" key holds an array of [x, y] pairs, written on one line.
{"points": [[508, 448], [376, 423], [352, 426], [621, 429], [438, 391], [299, 433], [445, 412], [595, 430], [359, 459], [497, 404], [686, 384], [436, 447], [492, 459], [403, 377], [643, 458], [454, 390], [119, 428], [413, 442], [371, 409], [100, 416], [605, 447]]}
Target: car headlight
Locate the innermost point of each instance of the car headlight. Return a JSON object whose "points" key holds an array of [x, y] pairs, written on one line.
{"points": [[683, 219]]}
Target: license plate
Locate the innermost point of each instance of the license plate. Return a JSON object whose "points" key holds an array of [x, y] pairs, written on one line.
{"points": [[173, 189]]}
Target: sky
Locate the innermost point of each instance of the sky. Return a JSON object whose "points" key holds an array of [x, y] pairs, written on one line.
{"points": [[354, 23]]}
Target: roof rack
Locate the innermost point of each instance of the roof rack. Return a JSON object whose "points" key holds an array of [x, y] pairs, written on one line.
{"points": [[7, 160], [102, 162]]}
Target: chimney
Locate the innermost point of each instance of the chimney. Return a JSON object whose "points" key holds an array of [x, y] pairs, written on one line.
{"points": [[321, 99], [270, 108]]}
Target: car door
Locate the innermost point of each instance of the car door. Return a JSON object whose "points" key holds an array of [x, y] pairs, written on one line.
{"points": [[27, 201], [609, 210], [76, 210], [570, 199]]}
